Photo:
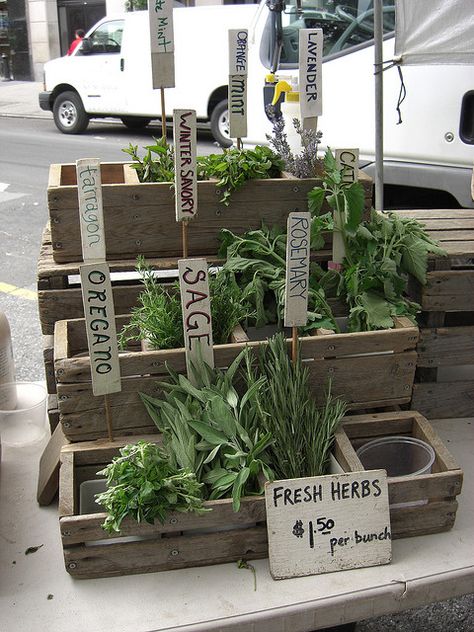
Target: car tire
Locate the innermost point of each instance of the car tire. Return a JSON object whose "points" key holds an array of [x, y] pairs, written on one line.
{"points": [[220, 124], [135, 122], [69, 114]]}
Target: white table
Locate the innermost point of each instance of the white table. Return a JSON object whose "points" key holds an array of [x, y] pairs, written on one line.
{"points": [[424, 569]]}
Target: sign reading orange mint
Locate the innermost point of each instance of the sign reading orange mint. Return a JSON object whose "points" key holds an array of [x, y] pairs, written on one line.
{"points": [[238, 69]]}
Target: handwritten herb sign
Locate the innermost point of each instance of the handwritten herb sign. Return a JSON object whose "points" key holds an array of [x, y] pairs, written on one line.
{"points": [[160, 14], [348, 161], [100, 327], [184, 127], [328, 523], [238, 68], [310, 73], [196, 307], [297, 269], [91, 214]]}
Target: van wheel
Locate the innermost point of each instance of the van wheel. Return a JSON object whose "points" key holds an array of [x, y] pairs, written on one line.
{"points": [[69, 114], [135, 122], [220, 124]]}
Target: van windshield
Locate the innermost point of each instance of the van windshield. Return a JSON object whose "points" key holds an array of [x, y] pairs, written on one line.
{"points": [[344, 26]]}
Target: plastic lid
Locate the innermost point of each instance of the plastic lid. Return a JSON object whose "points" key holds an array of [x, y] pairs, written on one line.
{"points": [[292, 97]]}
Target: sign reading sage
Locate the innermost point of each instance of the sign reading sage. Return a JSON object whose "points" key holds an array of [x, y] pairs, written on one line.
{"points": [[184, 128], [310, 73], [100, 327], [297, 269], [238, 68], [160, 15], [196, 308], [348, 161], [328, 523], [91, 213]]}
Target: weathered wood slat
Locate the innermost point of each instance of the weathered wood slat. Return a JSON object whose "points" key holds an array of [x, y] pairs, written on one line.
{"points": [[446, 346], [423, 519], [449, 291], [434, 214], [435, 485], [48, 478], [444, 399]]}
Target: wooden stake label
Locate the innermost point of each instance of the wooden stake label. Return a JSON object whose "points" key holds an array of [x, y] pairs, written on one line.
{"points": [[91, 213], [238, 69], [310, 72], [297, 269], [100, 327], [184, 128], [328, 523], [160, 15], [348, 161], [196, 306]]}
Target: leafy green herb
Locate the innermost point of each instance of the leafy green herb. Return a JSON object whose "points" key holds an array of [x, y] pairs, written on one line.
{"points": [[212, 430], [144, 484], [158, 316], [235, 166], [157, 165], [250, 567], [303, 432]]}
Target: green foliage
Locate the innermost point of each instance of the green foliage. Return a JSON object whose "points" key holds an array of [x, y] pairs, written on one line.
{"points": [[158, 316], [144, 484], [211, 429], [235, 166], [302, 432], [157, 165]]}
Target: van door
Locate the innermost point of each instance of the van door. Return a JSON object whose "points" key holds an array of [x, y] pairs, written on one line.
{"points": [[98, 69]]}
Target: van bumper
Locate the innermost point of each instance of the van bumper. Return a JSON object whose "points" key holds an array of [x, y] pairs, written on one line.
{"points": [[45, 101]]}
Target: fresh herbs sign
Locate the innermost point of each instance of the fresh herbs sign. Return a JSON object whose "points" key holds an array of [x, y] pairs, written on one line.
{"points": [[238, 60], [328, 523]]}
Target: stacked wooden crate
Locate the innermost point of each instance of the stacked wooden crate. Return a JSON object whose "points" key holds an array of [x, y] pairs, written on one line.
{"points": [[445, 375]]}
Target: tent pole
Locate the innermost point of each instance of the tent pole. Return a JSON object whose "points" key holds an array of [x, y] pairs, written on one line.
{"points": [[378, 54]]}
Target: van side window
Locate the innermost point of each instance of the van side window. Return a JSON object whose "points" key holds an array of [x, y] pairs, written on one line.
{"points": [[107, 38], [345, 25]]}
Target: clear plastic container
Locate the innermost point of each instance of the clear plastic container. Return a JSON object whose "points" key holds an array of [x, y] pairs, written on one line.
{"points": [[398, 455], [26, 423]]}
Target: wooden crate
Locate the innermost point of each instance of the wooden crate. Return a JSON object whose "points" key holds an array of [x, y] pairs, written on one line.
{"points": [[368, 369], [445, 376], [439, 488], [139, 217], [184, 540]]}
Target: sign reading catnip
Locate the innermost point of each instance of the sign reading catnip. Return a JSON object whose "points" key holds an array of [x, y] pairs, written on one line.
{"points": [[348, 161], [328, 523]]}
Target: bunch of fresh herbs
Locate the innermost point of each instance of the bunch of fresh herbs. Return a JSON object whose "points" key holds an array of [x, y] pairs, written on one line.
{"points": [[302, 432], [145, 484], [157, 164], [212, 430]]}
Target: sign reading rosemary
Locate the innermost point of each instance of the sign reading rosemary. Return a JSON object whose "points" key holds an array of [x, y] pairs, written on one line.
{"points": [[310, 72], [238, 67], [196, 308], [184, 128], [91, 213], [297, 269], [160, 14], [328, 523], [100, 327]]}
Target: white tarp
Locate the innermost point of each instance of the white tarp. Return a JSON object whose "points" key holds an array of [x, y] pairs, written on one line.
{"points": [[435, 31]]}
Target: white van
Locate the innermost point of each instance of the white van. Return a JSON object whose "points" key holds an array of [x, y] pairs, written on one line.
{"points": [[431, 150]]}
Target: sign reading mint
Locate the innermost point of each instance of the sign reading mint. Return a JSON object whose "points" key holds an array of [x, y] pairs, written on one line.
{"points": [[328, 523]]}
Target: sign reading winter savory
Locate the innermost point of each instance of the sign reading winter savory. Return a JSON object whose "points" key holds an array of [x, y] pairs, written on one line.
{"points": [[238, 68], [297, 269], [91, 214], [328, 523], [310, 73], [160, 15], [348, 161], [100, 327], [196, 308], [184, 128]]}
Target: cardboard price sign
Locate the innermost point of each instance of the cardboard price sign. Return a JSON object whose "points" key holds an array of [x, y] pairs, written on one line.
{"points": [[91, 213], [160, 15], [100, 327], [196, 307], [328, 523], [310, 72], [184, 128], [297, 269], [238, 68]]}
